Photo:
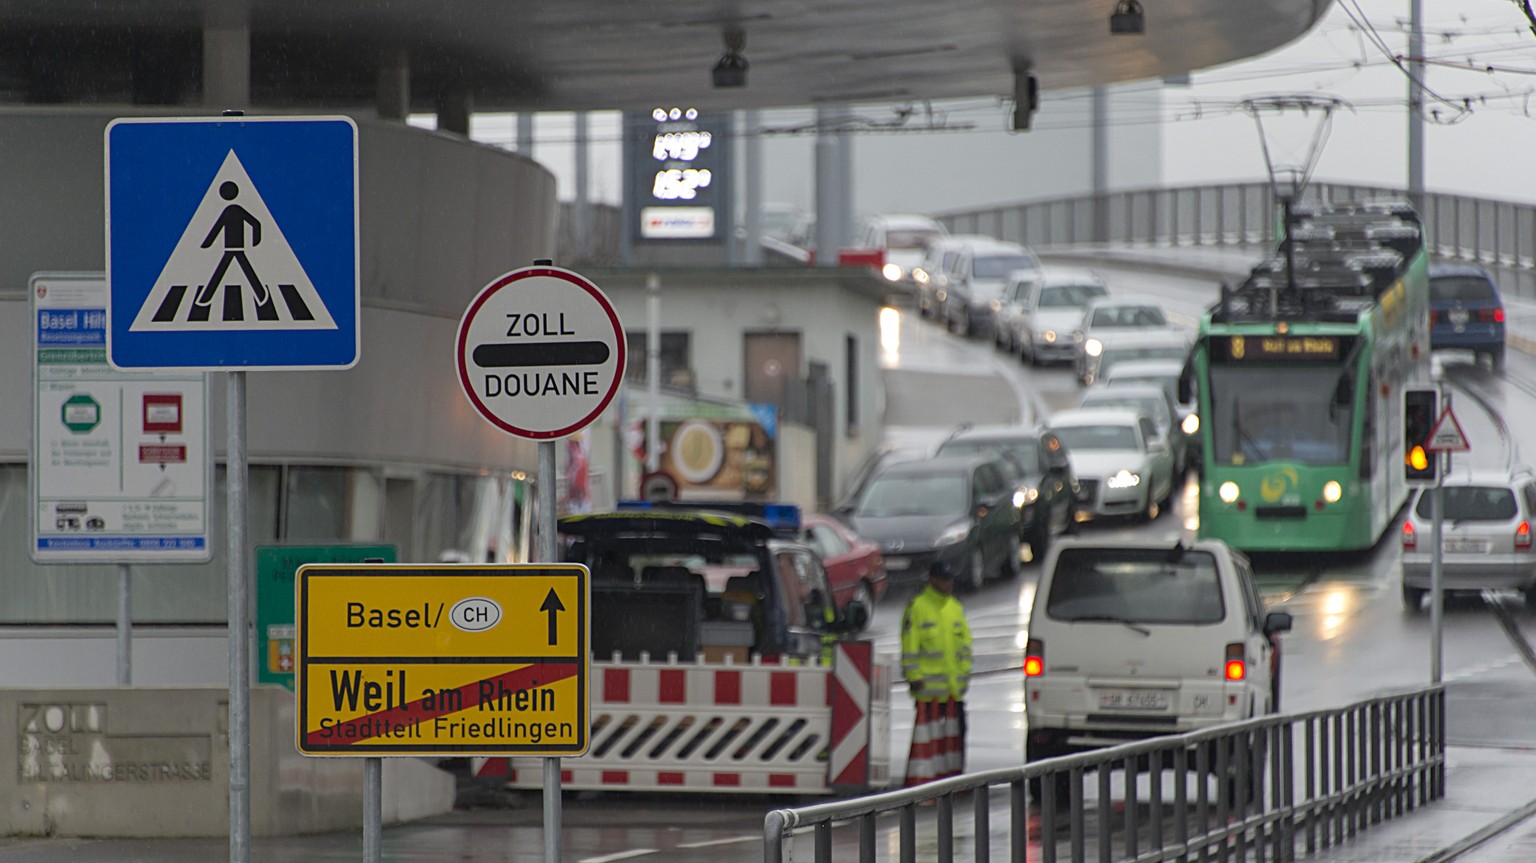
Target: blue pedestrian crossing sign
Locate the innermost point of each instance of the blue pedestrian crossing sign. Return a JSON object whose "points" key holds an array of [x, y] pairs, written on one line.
{"points": [[232, 243]]}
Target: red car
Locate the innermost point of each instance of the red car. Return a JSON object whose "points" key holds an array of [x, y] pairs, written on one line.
{"points": [[854, 565]]}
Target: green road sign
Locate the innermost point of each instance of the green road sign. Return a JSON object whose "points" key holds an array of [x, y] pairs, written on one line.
{"points": [[81, 413], [276, 567]]}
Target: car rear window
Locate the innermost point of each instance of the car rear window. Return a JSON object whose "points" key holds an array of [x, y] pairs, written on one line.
{"points": [[1067, 296], [1136, 585], [1472, 503], [1463, 289]]}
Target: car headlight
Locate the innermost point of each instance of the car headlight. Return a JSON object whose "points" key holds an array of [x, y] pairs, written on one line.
{"points": [[1093, 347], [952, 535], [1228, 492], [892, 272], [1124, 479], [1026, 495], [1332, 491], [920, 275], [1048, 336], [997, 305], [1191, 424]]}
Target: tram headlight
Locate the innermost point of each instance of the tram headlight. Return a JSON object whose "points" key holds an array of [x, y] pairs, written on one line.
{"points": [[1093, 347], [1332, 491], [1123, 479], [1191, 424], [1228, 492]]}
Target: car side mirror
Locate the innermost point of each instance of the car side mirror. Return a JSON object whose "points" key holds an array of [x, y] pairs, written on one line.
{"points": [[1277, 622]]}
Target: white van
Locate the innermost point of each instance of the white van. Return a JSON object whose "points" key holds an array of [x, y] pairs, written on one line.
{"points": [[1129, 640]]}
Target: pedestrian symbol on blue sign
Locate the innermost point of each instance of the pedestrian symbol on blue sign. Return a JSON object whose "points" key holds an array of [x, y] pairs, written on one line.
{"points": [[232, 251], [232, 243]]}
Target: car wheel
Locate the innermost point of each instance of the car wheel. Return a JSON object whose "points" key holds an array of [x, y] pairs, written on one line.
{"points": [[1530, 597], [1153, 510], [1496, 359], [1010, 566], [1413, 598], [976, 572], [865, 594]]}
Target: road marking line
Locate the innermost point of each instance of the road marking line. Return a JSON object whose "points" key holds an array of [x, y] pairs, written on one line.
{"points": [[622, 855], [737, 840]]}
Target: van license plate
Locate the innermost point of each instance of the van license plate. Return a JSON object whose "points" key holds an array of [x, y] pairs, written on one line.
{"points": [[1466, 545], [1133, 699]]}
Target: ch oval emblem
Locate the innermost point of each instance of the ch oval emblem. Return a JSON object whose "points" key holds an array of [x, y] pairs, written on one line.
{"points": [[475, 614]]}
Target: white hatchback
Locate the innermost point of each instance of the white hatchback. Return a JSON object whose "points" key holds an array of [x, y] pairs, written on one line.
{"points": [[1129, 640]]}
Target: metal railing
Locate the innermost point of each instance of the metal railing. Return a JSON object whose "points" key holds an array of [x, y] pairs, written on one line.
{"points": [[1265, 789], [1498, 234]]}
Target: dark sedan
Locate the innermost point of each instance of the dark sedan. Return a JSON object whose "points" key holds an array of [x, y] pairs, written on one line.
{"points": [[957, 510], [1045, 490]]}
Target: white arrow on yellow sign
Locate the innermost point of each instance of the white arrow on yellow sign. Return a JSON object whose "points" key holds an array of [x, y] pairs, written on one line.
{"points": [[460, 659]]}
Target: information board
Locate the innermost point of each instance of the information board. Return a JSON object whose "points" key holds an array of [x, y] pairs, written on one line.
{"points": [[463, 659], [120, 461]]}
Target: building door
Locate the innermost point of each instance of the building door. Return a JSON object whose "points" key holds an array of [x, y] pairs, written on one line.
{"points": [[772, 361]]}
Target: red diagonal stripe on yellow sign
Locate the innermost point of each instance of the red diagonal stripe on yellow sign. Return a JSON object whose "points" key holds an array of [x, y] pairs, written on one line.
{"points": [[415, 712]]}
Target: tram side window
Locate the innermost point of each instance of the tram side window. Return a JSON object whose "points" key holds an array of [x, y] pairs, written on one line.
{"points": [[1368, 432]]}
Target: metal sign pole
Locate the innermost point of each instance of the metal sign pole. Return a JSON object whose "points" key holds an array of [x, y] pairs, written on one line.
{"points": [[373, 810], [239, 644], [124, 624], [547, 554], [1435, 594]]}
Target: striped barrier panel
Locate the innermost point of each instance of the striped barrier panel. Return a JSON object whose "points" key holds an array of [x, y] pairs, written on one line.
{"points": [[759, 728]]}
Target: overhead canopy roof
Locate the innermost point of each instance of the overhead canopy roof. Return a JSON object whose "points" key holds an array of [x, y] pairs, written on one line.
{"points": [[624, 54]]}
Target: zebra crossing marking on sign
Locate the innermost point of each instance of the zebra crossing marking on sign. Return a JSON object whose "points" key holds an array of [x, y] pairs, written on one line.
{"points": [[232, 243], [263, 285]]}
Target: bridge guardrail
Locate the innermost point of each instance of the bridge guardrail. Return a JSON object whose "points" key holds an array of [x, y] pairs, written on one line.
{"points": [[1262, 789]]}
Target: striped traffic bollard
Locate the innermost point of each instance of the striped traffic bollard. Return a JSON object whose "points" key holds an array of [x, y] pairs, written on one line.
{"points": [[920, 762]]}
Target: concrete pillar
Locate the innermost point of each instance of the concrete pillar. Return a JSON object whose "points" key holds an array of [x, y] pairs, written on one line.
{"points": [[227, 55], [524, 140], [752, 190], [1099, 170], [453, 110], [829, 186], [394, 89], [581, 212]]}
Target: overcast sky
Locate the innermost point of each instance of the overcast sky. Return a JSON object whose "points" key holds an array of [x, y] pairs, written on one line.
{"points": [[1481, 140]]}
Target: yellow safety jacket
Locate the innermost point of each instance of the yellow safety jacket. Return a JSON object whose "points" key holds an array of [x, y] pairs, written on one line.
{"points": [[935, 646]]}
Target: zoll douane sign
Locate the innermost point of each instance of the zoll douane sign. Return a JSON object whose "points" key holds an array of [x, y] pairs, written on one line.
{"points": [[462, 659], [540, 352]]}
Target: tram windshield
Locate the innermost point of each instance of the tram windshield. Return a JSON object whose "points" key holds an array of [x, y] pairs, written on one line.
{"points": [[1263, 413]]}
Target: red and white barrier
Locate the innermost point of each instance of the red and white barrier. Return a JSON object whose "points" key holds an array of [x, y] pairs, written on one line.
{"points": [[759, 728]]}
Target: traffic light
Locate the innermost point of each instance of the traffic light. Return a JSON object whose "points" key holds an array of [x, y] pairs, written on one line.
{"points": [[1420, 410]]}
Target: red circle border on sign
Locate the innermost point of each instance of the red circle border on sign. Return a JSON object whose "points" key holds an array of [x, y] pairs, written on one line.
{"points": [[489, 291]]}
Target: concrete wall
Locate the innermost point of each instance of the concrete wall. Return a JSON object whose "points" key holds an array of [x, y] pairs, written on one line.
{"points": [[155, 763]]}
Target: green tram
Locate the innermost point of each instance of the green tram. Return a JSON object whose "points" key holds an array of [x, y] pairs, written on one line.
{"points": [[1299, 373]]}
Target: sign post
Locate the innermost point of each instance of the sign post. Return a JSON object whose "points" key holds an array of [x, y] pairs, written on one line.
{"points": [[120, 467], [232, 244], [540, 354], [1445, 437]]}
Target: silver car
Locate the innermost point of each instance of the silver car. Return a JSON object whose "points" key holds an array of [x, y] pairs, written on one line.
{"points": [[1108, 350], [1123, 467], [1151, 400], [1485, 535], [1041, 309], [1110, 317]]}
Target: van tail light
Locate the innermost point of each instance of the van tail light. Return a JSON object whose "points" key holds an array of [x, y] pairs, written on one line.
{"points": [[1034, 658], [1523, 536], [1410, 539], [1236, 667]]}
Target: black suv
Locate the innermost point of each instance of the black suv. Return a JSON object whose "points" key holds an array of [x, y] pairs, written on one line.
{"points": [[1046, 490]]}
